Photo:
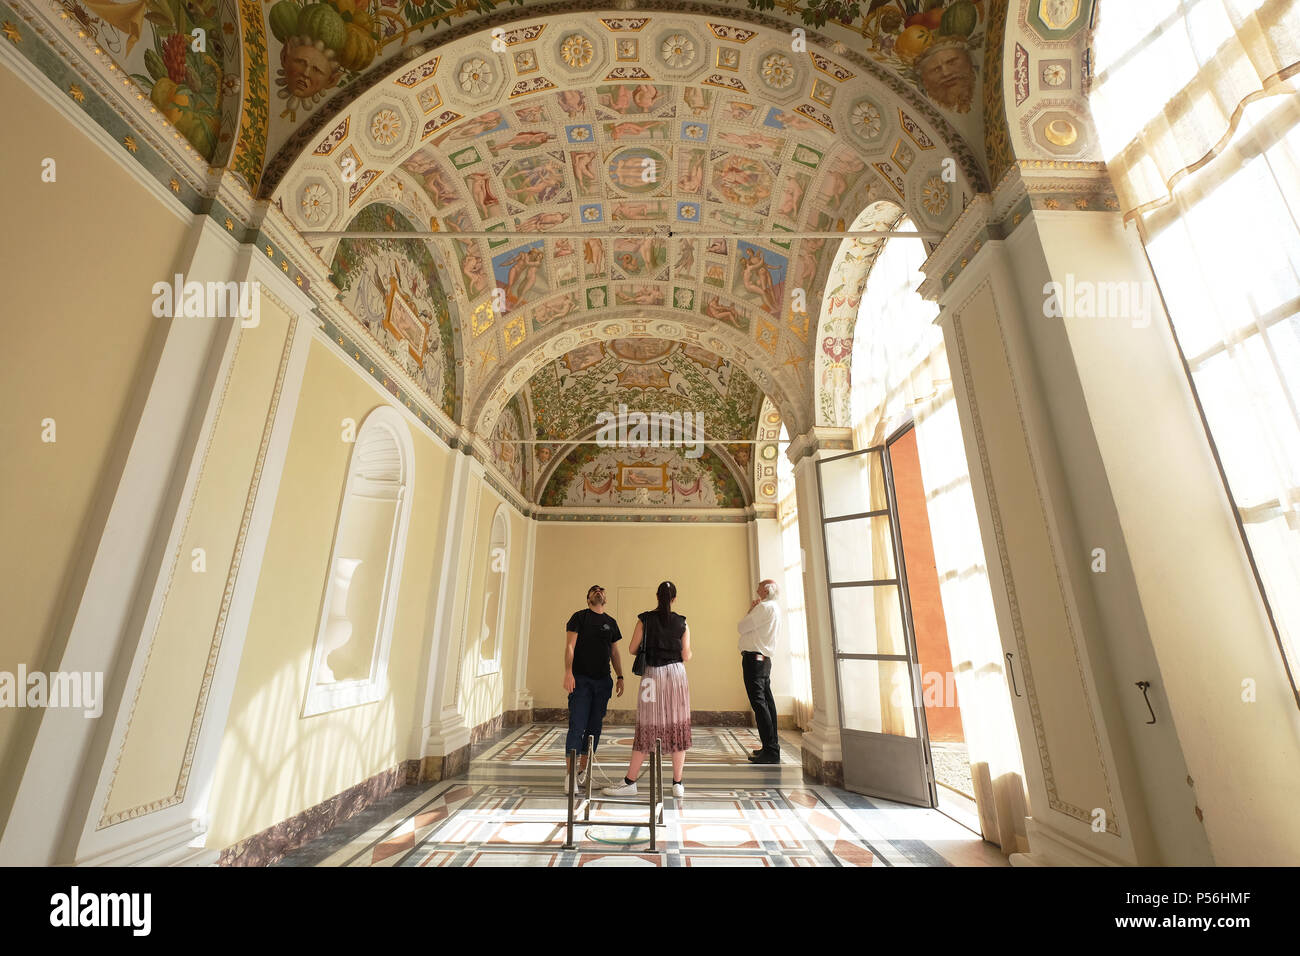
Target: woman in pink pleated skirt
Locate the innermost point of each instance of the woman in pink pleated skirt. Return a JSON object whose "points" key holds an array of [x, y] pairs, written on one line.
{"points": [[663, 710]]}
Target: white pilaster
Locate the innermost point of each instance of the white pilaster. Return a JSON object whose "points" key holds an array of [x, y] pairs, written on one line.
{"points": [[822, 739], [767, 561], [443, 730], [523, 699]]}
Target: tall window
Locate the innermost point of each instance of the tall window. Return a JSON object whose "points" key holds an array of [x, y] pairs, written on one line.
{"points": [[897, 350], [1202, 135], [494, 591], [787, 514], [350, 658]]}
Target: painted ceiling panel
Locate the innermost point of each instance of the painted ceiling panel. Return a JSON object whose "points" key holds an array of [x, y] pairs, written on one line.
{"points": [[394, 288], [592, 476], [642, 374]]}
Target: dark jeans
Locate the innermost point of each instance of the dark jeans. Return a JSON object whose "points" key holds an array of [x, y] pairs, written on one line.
{"points": [[587, 706], [758, 685]]}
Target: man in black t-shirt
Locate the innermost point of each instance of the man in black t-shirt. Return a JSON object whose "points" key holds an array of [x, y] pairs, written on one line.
{"points": [[593, 638]]}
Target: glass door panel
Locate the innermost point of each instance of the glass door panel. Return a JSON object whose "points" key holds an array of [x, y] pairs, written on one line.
{"points": [[853, 484], [867, 620], [878, 697], [882, 731], [860, 549]]}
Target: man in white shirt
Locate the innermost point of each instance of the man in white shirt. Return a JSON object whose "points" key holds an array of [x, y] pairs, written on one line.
{"points": [[758, 631]]}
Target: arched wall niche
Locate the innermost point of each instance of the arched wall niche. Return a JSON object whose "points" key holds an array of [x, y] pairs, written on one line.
{"points": [[496, 580], [359, 604]]}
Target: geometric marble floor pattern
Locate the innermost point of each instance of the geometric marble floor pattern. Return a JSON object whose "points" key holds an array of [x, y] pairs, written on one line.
{"points": [[508, 810]]}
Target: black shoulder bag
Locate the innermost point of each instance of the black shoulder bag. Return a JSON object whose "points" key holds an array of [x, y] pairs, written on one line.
{"points": [[638, 664]]}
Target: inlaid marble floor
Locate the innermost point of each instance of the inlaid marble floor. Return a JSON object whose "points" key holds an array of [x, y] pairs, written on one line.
{"points": [[509, 810]]}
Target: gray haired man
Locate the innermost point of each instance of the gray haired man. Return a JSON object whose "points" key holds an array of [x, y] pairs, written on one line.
{"points": [[758, 631]]}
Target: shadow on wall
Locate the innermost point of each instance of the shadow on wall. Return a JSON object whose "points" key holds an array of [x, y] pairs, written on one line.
{"points": [[275, 764], [482, 699]]}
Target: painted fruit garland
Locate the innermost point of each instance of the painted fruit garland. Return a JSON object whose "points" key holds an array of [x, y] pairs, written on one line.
{"points": [[183, 71]]}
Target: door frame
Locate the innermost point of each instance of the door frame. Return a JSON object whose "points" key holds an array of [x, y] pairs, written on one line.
{"points": [[897, 752]]}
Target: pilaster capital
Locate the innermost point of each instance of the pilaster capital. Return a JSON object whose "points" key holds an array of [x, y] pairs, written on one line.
{"points": [[820, 439]]}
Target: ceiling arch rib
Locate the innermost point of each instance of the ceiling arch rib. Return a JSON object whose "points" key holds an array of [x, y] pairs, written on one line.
{"points": [[838, 315], [690, 330], [939, 88]]}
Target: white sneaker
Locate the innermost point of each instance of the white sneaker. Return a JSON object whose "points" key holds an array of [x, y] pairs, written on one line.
{"points": [[679, 790], [582, 778], [622, 790]]}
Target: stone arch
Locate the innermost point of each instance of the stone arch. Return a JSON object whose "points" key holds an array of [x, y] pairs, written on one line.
{"points": [[838, 315], [679, 327]]}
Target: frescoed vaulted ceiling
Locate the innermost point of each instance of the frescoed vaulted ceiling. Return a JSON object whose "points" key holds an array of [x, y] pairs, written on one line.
{"points": [[643, 374], [641, 165], [602, 133]]}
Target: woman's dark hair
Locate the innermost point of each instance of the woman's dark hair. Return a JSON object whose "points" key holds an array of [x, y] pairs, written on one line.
{"points": [[667, 591]]}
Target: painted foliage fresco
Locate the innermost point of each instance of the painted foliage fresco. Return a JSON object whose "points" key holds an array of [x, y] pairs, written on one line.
{"points": [[510, 455], [661, 477], [182, 53], [393, 287], [645, 374]]}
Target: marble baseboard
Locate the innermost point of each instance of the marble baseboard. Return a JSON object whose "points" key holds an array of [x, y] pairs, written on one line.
{"points": [[518, 718], [437, 768], [829, 773], [268, 846], [489, 728]]}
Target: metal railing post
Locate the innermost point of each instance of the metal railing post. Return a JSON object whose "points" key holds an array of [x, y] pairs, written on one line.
{"points": [[591, 765], [573, 786]]}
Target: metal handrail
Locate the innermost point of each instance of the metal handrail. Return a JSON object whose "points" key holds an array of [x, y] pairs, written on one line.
{"points": [[655, 806]]}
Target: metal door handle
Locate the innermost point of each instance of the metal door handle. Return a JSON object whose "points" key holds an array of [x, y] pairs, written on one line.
{"points": [[1011, 669], [1146, 685]]}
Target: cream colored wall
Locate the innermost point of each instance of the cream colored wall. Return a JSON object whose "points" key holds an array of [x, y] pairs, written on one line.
{"points": [[484, 696], [273, 762], [77, 341], [709, 563], [151, 763]]}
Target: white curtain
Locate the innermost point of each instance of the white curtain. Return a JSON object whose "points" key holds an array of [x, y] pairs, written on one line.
{"points": [[1223, 235], [900, 372], [1174, 78]]}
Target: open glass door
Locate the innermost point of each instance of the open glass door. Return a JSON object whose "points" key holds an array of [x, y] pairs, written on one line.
{"points": [[882, 728]]}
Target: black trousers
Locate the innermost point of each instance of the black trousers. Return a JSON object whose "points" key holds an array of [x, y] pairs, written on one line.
{"points": [[758, 685]]}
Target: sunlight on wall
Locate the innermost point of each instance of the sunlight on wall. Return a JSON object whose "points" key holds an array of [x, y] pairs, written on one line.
{"points": [[274, 763]]}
